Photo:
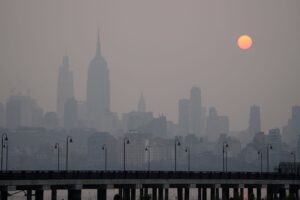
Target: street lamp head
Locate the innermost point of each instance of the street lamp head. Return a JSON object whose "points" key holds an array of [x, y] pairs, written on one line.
{"points": [[258, 152], [270, 146], [56, 146], [126, 140], [293, 153], [225, 145], [104, 147], [4, 137], [187, 149], [69, 139]]}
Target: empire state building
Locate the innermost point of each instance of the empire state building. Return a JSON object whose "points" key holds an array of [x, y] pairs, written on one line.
{"points": [[98, 90]]}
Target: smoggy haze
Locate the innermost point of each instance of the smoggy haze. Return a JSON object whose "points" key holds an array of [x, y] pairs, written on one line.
{"points": [[160, 47]]}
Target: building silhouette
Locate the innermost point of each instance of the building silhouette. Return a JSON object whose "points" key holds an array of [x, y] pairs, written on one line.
{"points": [[2, 115], [71, 114], [65, 88], [51, 120], [23, 111], [216, 124], [291, 131], [298, 148], [254, 120], [296, 118], [98, 90], [191, 114], [142, 104], [184, 116], [195, 111], [274, 138]]}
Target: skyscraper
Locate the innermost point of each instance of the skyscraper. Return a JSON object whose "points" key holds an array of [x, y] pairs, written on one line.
{"points": [[184, 116], [291, 132], [2, 115], [274, 138], [141, 104], [71, 114], [65, 88], [216, 124], [22, 111], [295, 121], [98, 89], [195, 111], [254, 120]]}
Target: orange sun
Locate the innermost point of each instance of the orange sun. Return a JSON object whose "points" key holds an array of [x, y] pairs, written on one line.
{"points": [[244, 42]]}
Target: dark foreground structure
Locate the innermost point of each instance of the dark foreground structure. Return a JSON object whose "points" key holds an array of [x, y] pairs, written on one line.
{"points": [[128, 183]]}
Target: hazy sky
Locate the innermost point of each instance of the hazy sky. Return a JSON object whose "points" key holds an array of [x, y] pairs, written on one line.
{"points": [[160, 47]]}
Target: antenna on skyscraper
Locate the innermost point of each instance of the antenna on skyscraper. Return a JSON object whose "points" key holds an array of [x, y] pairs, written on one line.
{"points": [[98, 50], [98, 35]]}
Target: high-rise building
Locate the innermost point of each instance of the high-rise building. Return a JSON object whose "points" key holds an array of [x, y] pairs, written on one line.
{"points": [[98, 90], [13, 112], [70, 114], [51, 120], [2, 115], [184, 116], [298, 147], [141, 105], [295, 121], [195, 111], [254, 120], [291, 131], [274, 138], [216, 125], [22, 111], [254, 125], [65, 88], [82, 114], [136, 120], [157, 127]]}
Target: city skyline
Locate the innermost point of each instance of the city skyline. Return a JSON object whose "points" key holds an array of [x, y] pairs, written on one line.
{"points": [[65, 91], [133, 99], [198, 44]]}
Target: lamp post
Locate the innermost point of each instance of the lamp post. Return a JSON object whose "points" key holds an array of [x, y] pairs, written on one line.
{"points": [[177, 143], [147, 149], [6, 161], [126, 141], [58, 152], [69, 140], [261, 161], [188, 150], [269, 147], [293, 153], [104, 148], [225, 146], [3, 139]]}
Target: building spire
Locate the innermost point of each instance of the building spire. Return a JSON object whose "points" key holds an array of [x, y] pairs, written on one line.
{"points": [[65, 62], [142, 104], [98, 48]]}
